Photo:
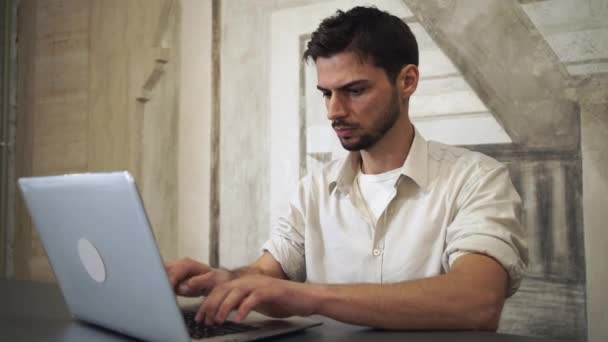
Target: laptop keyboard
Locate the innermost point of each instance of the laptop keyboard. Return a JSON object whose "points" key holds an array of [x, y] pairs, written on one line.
{"points": [[200, 330]]}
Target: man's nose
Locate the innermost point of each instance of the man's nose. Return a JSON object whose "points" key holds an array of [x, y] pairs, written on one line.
{"points": [[335, 108]]}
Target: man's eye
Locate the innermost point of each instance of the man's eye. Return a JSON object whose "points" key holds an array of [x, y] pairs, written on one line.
{"points": [[356, 91], [326, 94]]}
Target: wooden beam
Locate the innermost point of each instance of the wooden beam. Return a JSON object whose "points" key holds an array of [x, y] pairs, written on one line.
{"points": [[510, 66]]}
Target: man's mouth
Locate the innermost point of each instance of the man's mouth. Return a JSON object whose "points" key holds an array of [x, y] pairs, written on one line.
{"points": [[344, 131]]}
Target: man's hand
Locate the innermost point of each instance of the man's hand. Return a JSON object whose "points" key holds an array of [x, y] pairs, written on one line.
{"points": [[190, 278], [270, 296]]}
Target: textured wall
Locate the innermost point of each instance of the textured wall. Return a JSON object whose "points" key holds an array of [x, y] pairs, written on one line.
{"points": [[98, 91], [5, 31], [594, 129], [519, 79], [194, 130], [550, 185], [243, 166]]}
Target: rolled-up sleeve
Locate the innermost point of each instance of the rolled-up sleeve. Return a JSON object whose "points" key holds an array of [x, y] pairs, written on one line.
{"points": [[486, 222], [287, 247], [286, 242]]}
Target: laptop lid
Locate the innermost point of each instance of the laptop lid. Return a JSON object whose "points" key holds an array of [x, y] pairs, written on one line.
{"points": [[96, 234]]}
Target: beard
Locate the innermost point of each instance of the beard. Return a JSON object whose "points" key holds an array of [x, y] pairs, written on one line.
{"points": [[370, 137]]}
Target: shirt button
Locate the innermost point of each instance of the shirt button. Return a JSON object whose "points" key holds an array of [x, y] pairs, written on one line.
{"points": [[376, 252]]}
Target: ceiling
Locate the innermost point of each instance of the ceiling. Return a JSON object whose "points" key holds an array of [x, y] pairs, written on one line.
{"points": [[445, 108], [576, 30]]}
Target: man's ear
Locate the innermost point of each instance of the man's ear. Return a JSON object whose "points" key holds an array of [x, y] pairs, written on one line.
{"points": [[407, 80]]}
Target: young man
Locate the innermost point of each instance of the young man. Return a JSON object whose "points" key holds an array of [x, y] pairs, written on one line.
{"points": [[401, 234]]}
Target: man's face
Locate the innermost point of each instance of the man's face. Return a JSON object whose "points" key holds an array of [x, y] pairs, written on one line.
{"points": [[361, 101]]}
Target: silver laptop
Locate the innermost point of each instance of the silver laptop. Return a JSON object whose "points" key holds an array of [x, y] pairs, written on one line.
{"points": [[98, 239]]}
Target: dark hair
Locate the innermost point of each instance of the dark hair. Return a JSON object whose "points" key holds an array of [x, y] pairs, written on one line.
{"points": [[373, 35]]}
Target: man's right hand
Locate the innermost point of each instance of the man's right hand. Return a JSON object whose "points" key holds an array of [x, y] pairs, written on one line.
{"points": [[191, 278]]}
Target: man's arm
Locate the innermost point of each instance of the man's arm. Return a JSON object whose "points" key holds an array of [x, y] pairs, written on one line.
{"points": [[265, 265], [470, 296]]}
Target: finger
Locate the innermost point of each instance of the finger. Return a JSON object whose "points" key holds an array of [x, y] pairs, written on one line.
{"points": [[168, 264], [232, 301], [176, 271], [248, 304], [202, 284], [173, 273], [179, 270], [182, 289], [208, 309], [196, 286]]}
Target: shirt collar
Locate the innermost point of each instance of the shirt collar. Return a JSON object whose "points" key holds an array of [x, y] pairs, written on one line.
{"points": [[414, 167], [416, 163]]}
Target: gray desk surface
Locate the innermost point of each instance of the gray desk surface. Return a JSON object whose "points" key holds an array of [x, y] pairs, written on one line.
{"points": [[36, 312]]}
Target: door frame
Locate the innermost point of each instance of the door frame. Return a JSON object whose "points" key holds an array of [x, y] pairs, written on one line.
{"points": [[8, 83]]}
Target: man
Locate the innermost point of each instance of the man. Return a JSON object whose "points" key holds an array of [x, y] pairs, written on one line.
{"points": [[401, 234]]}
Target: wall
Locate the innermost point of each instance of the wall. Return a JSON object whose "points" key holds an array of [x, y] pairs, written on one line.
{"points": [[7, 127], [243, 164], [550, 185], [247, 178], [594, 132], [195, 129], [98, 91]]}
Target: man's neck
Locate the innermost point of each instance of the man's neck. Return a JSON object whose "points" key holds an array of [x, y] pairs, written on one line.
{"points": [[390, 152]]}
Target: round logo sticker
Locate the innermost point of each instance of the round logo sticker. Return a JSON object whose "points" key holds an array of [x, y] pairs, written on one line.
{"points": [[91, 260]]}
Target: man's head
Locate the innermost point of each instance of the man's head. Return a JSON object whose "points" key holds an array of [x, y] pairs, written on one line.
{"points": [[374, 36], [366, 63]]}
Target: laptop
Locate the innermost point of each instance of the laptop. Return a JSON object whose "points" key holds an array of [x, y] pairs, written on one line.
{"points": [[97, 236]]}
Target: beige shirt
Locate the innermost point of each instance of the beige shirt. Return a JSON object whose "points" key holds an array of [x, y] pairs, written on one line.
{"points": [[447, 202]]}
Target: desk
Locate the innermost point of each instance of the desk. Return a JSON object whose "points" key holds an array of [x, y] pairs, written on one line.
{"points": [[32, 311]]}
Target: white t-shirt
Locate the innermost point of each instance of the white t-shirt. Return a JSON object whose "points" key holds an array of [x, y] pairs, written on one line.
{"points": [[378, 190]]}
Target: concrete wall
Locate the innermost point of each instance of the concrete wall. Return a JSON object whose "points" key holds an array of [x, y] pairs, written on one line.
{"points": [[109, 85], [98, 91], [194, 130], [550, 185], [7, 64], [243, 166], [594, 132]]}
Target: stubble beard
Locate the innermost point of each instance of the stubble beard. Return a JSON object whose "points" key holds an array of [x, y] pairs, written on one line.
{"points": [[368, 139]]}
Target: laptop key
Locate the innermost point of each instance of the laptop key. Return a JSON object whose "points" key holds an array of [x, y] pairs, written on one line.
{"points": [[200, 330]]}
